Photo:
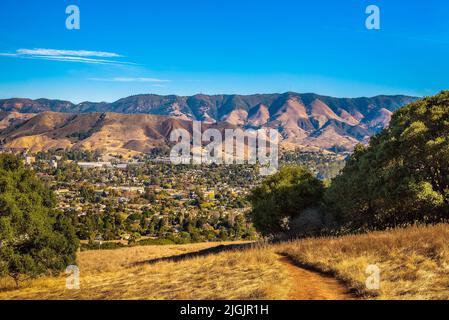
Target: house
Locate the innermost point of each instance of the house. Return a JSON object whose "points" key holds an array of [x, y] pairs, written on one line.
{"points": [[16, 151], [123, 200], [30, 160], [62, 191], [126, 189], [125, 236], [54, 164], [209, 194]]}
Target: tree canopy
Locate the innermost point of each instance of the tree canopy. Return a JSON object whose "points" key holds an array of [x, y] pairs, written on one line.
{"points": [[282, 197], [402, 177], [34, 237]]}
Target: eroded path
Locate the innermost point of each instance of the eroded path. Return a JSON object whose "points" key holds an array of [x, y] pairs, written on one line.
{"points": [[308, 285]]}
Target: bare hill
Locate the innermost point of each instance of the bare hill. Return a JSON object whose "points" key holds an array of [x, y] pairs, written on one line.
{"points": [[137, 123]]}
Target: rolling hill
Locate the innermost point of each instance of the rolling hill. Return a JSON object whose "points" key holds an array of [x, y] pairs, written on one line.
{"points": [[139, 123], [110, 132]]}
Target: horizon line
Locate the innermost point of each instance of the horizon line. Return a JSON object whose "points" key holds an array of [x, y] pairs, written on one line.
{"points": [[219, 94]]}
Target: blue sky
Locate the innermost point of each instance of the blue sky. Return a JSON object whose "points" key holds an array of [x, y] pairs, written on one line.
{"points": [[229, 46]]}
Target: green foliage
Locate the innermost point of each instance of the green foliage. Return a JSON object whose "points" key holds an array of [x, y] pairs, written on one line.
{"points": [[282, 197], [151, 242], [34, 237], [402, 177], [101, 246], [324, 166], [72, 154]]}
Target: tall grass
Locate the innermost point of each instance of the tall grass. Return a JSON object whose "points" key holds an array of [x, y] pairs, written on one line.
{"points": [[113, 274], [413, 262]]}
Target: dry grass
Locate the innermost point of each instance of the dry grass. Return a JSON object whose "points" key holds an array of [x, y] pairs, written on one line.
{"points": [[414, 262], [112, 274]]}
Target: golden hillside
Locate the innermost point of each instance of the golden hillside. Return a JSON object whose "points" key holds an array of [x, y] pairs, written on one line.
{"points": [[413, 263], [110, 132]]}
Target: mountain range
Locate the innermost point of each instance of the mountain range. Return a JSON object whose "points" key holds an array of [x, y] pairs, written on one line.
{"points": [[138, 123]]}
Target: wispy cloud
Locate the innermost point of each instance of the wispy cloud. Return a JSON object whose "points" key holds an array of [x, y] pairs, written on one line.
{"points": [[82, 56], [8, 54], [127, 79], [77, 53]]}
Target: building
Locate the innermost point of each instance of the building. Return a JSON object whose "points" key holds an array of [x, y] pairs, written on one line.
{"points": [[124, 189], [91, 165], [30, 160], [16, 151], [54, 164]]}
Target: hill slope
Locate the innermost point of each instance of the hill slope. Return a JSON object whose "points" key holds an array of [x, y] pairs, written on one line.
{"points": [[413, 265], [110, 132], [307, 121]]}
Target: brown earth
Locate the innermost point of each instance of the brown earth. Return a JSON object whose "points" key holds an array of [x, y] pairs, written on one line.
{"points": [[308, 285]]}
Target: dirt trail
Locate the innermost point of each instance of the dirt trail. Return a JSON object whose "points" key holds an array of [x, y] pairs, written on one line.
{"points": [[308, 285]]}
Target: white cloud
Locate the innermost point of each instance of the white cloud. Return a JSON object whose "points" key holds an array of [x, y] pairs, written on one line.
{"points": [[79, 59], [127, 79], [8, 54], [82, 56], [76, 53]]}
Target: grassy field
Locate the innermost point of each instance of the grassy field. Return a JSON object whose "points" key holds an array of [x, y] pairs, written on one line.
{"points": [[113, 274], [413, 262]]}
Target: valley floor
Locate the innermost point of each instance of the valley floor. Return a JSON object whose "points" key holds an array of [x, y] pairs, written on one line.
{"points": [[413, 263]]}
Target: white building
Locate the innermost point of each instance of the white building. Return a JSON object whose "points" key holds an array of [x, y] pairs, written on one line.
{"points": [[90, 165]]}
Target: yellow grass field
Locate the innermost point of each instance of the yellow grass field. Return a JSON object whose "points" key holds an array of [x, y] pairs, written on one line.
{"points": [[112, 274], [413, 264]]}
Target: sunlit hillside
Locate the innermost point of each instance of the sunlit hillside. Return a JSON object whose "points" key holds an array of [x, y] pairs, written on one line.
{"points": [[413, 263], [129, 273]]}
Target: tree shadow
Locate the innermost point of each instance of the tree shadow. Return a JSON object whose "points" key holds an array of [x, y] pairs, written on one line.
{"points": [[200, 253]]}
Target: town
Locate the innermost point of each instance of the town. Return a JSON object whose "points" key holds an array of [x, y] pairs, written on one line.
{"points": [[146, 199]]}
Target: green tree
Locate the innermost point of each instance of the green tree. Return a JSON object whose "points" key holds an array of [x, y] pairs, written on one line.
{"points": [[282, 197], [402, 177], [34, 237]]}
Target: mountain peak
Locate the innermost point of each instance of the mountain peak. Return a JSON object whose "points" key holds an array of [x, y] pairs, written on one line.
{"points": [[304, 120]]}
